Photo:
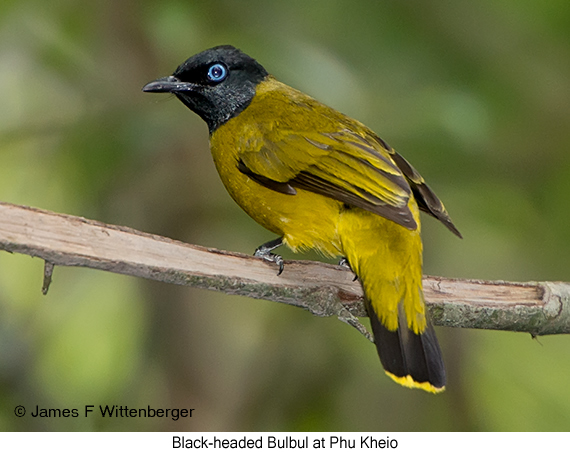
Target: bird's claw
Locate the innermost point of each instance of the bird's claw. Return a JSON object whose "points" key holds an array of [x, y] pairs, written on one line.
{"points": [[264, 251], [343, 262], [271, 257]]}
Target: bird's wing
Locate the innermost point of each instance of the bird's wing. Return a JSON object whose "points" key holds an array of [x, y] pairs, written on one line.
{"points": [[348, 163], [425, 197]]}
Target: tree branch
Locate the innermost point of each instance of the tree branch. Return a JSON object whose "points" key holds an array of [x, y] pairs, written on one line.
{"points": [[325, 290]]}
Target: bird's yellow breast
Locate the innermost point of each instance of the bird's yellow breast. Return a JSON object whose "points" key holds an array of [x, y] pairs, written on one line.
{"points": [[304, 220]]}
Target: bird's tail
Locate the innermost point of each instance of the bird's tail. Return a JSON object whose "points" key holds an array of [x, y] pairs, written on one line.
{"points": [[390, 271], [411, 359]]}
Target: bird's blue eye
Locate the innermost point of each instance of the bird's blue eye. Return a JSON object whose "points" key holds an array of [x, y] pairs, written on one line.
{"points": [[217, 72]]}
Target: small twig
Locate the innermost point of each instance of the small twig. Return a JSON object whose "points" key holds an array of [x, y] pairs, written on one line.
{"points": [[346, 317], [48, 272]]}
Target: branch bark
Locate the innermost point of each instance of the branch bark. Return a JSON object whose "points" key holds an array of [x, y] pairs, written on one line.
{"points": [[538, 308]]}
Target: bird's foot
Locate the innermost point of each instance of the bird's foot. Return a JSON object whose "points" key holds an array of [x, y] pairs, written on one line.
{"points": [[264, 251], [343, 262]]}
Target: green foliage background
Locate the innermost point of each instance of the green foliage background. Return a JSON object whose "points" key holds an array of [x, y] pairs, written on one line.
{"points": [[475, 94]]}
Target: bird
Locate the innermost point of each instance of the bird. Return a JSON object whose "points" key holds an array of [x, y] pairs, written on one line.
{"points": [[321, 180]]}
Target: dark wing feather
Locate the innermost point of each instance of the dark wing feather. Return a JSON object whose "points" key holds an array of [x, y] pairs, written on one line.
{"points": [[281, 187], [425, 197], [356, 197]]}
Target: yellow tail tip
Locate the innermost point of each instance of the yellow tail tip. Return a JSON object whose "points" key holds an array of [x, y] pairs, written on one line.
{"points": [[409, 382]]}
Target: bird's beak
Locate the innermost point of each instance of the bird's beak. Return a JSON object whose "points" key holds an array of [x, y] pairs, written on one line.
{"points": [[168, 84]]}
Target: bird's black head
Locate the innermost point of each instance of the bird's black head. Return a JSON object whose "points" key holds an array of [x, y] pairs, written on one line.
{"points": [[217, 83]]}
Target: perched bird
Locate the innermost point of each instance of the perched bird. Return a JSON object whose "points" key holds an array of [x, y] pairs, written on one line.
{"points": [[321, 180]]}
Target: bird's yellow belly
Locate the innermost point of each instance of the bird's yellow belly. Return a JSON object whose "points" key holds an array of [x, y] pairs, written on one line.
{"points": [[305, 220]]}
